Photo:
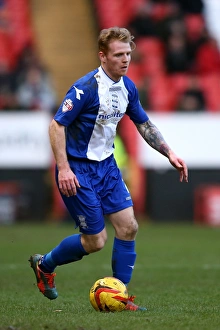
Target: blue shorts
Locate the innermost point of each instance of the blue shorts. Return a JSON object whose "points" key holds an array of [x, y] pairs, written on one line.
{"points": [[102, 192]]}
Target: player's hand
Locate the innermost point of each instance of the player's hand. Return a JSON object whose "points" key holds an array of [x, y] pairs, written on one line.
{"points": [[180, 165], [68, 182]]}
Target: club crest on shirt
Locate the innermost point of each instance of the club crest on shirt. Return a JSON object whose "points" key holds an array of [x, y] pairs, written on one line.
{"points": [[115, 101], [67, 105], [82, 221]]}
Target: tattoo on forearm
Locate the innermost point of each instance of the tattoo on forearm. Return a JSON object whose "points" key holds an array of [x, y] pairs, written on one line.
{"points": [[153, 137]]}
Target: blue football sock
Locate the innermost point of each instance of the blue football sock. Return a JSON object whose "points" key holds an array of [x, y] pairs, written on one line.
{"points": [[69, 250], [123, 259]]}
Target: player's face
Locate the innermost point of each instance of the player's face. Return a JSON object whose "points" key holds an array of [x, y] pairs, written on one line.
{"points": [[116, 61]]}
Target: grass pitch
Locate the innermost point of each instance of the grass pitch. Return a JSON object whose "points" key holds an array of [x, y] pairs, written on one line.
{"points": [[177, 277]]}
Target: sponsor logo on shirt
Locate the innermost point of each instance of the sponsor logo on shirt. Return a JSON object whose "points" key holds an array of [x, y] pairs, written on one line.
{"points": [[111, 115], [114, 89]]}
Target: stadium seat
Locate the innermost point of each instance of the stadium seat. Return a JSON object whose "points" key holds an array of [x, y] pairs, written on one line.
{"points": [[208, 58], [16, 32], [152, 51], [21, 25], [211, 86], [150, 45], [160, 11], [135, 73], [195, 25], [116, 13], [6, 55], [178, 84], [162, 96]]}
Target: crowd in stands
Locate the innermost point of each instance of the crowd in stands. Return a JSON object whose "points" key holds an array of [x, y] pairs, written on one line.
{"points": [[25, 83], [176, 64]]}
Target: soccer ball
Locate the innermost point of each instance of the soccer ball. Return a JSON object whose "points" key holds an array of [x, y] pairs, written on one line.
{"points": [[108, 294]]}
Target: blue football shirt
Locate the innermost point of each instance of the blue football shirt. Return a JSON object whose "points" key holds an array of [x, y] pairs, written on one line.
{"points": [[91, 110]]}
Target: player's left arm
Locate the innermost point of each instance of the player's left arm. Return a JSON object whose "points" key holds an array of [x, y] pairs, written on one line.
{"points": [[154, 138]]}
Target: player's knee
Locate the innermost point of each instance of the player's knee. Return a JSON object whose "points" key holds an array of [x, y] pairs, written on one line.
{"points": [[128, 231], [132, 229], [94, 243], [97, 245]]}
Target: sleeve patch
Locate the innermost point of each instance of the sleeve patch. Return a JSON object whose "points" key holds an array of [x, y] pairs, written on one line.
{"points": [[67, 105]]}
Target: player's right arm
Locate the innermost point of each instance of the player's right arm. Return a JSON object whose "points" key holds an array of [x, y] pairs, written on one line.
{"points": [[67, 180]]}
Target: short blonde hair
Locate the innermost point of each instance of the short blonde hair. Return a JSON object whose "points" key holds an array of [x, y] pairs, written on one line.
{"points": [[114, 33]]}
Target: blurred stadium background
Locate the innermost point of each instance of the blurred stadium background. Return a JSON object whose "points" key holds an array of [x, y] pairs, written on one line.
{"points": [[46, 45]]}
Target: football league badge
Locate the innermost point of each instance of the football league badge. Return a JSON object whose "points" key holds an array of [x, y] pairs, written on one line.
{"points": [[67, 105]]}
